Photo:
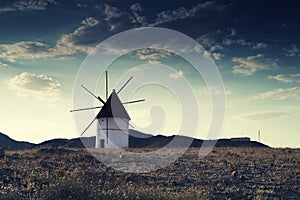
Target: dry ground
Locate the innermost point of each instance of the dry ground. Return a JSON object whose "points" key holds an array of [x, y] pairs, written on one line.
{"points": [[226, 173]]}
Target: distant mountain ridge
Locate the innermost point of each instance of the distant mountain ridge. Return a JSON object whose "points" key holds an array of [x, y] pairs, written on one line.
{"points": [[136, 140], [8, 143]]}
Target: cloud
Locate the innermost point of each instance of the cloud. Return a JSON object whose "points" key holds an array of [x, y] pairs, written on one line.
{"points": [[215, 47], [293, 50], [111, 12], [36, 85], [264, 115], [3, 64], [137, 13], [68, 44], [150, 54], [286, 78], [154, 62], [280, 94], [232, 32], [83, 5], [231, 38], [242, 42], [117, 19], [209, 43], [92, 30], [206, 40], [251, 64], [182, 12], [260, 45], [217, 56], [24, 50], [171, 15], [177, 75], [206, 54], [81, 39], [26, 5]]}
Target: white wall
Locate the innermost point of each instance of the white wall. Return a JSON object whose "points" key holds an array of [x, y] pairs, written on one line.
{"points": [[118, 134]]}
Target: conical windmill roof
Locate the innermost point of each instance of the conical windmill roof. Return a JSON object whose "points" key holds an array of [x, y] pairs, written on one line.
{"points": [[113, 107]]}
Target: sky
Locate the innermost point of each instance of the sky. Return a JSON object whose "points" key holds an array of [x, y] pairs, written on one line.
{"points": [[254, 44]]}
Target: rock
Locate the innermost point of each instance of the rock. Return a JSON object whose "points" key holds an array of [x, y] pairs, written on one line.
{"points": [[2, 153]]}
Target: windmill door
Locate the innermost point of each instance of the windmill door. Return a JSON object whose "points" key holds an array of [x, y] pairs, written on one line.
{"points": [[102, 142]]}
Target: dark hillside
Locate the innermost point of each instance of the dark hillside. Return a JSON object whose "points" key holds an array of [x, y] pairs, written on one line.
{"points": [[136, 140], [9, 144]]}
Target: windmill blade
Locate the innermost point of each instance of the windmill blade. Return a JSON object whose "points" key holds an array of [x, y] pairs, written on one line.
{"points": [[131, 125], [106, 84], [88, 126], [136, 101], [124, 85], [99, 98], [81, 109]]}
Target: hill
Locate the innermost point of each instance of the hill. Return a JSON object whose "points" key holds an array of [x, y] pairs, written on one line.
{"points": [[136, 140], [142, 140], [9, 144]]}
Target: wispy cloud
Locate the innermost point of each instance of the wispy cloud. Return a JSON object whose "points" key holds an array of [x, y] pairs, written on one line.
{"points": [[242, 42], [86, 36], [280, 94], [264, 115], [232, 38], [25, 50], [137, 14], [79, 39], [212, 47], [36, 85], [150, 54], [68, 44], [260, 45], [207, 40], [3, 64], [111, 12], [117, 19], [217, 56], [26, 5], [214, 55], [176, 75], [171, 15], [286, 78], [232, 32], [154, 62], [251, 64], [182, 12], [293, 50]]}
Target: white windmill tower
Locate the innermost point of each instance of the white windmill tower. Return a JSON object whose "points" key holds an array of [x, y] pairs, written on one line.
{"points": [[113, 120]]}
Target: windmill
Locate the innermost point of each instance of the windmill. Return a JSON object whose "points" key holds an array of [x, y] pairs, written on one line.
{"points": [[112, 119]]}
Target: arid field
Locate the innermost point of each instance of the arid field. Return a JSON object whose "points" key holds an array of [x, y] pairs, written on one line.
{"points": [[226, 173]]}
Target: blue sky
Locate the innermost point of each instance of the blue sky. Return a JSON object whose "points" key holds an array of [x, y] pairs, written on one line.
{"points": [[255, 45]]}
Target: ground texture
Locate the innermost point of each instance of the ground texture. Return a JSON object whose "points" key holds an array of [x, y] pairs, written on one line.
{"points": [[226, 173]]}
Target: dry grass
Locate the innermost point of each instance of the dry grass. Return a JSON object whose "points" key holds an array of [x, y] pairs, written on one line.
{"points": [[226, 173]]}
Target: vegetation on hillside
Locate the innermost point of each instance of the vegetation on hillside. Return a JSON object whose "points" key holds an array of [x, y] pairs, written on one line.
{"points": [[236, 173]]}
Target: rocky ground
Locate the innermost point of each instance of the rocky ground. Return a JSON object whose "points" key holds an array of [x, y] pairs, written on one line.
{"points": [[226, 173]]}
